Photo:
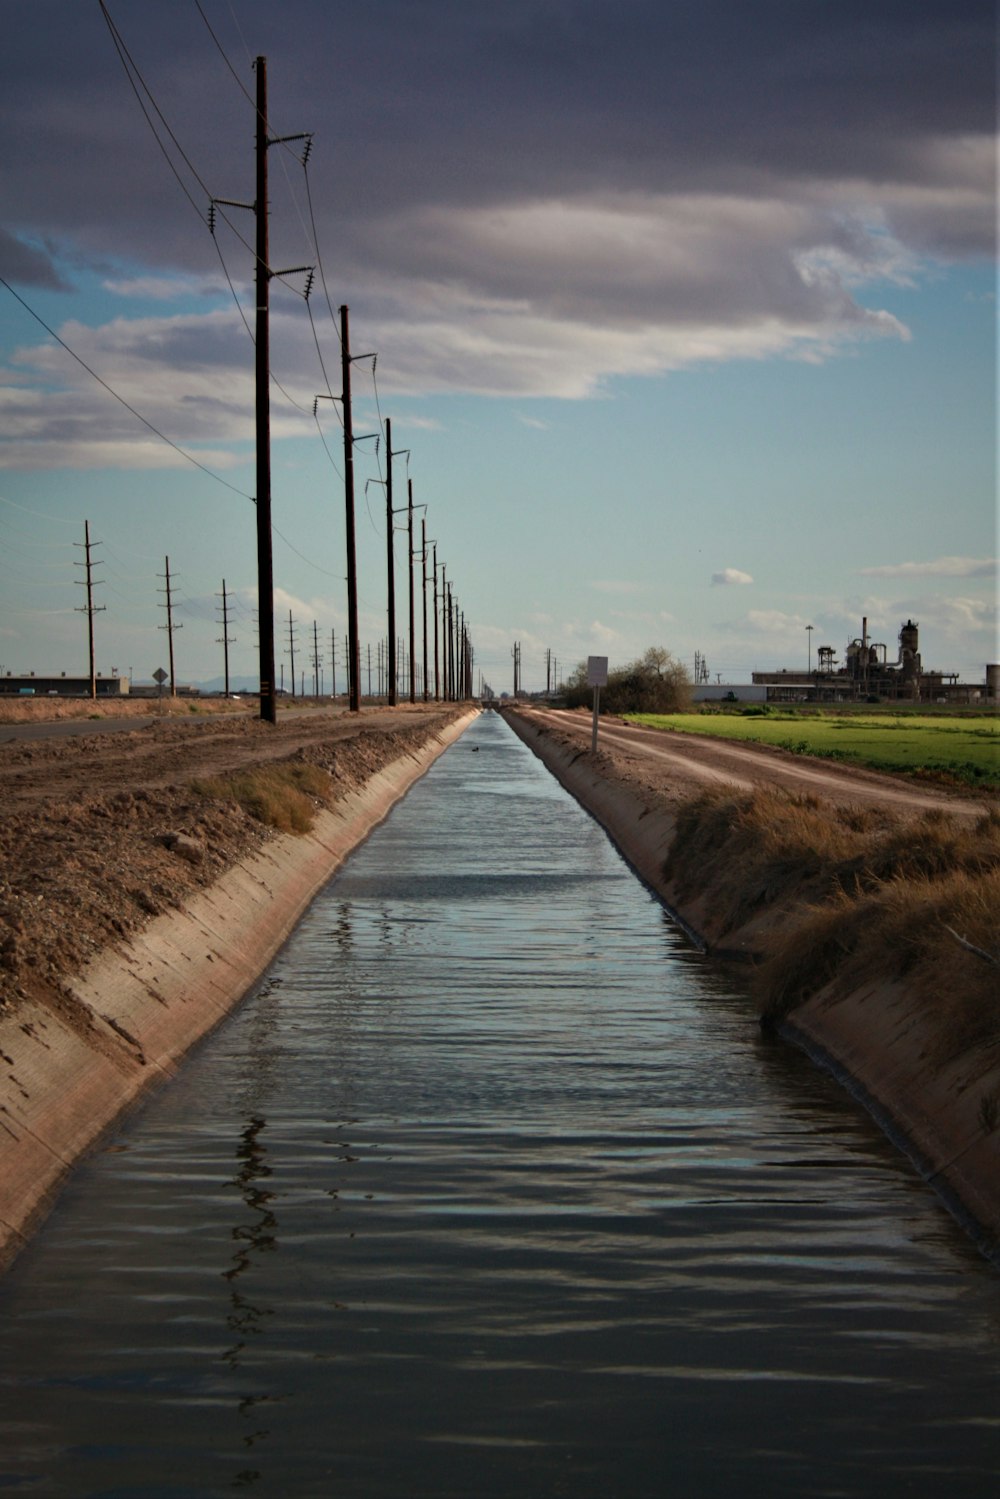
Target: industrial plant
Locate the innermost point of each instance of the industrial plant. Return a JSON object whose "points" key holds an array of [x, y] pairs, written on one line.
{"points": [[866, 674]]}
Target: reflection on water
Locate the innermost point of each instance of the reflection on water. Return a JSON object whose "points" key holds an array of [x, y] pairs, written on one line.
{"points": [[494, 1189]]}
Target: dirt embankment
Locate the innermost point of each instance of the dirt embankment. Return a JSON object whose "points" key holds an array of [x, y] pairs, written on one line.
{"points": [[865, 910], [101, 833], [141, 894]]}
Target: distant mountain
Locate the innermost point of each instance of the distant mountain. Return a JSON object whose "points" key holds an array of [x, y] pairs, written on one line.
{"points": [[236, 684]]}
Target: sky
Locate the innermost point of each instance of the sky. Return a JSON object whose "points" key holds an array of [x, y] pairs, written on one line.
{"points": [[684, 314]]}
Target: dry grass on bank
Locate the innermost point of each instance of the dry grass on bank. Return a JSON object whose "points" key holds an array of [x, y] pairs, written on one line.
{"points": [[865, 897], [49, 710], [283, 796]]}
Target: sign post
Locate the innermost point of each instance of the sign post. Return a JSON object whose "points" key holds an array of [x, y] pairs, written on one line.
{"points": [[597, 677], [159, 677]]}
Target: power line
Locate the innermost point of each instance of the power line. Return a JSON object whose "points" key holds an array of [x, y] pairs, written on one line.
{"points": [[129, 66], [239, 81], [315, 246], [59, 520], [315, 565], [121, 399]]}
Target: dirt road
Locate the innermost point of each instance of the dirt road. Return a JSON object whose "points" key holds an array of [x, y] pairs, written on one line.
{"points": [[675, 764]]}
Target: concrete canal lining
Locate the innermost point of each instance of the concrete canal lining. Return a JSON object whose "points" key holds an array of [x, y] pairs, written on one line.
{"points": [[878, 1041], [72, 1066]]}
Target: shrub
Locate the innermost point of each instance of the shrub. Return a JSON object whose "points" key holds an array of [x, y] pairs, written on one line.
{"points": [[655, 683]]}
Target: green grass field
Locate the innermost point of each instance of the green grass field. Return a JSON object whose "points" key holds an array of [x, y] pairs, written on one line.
{"points": [[966, 749]]}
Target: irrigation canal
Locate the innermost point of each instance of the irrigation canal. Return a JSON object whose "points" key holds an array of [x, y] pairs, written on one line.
{"points": [[492, 1189]]}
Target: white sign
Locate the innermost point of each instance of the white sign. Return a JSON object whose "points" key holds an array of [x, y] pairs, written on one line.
{"points": [[597, 671]]}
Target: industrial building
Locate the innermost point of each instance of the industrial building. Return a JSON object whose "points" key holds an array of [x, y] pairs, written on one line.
{"points": [[868, 675], [62, 686]]}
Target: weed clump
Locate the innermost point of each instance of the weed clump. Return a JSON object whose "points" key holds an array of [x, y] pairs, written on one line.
{"points": [[864, 896], [282, 796]]}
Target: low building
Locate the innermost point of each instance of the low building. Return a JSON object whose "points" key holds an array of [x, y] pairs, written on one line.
{"points": [[62, 685]]}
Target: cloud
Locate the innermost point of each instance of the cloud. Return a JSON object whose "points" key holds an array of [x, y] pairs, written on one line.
{"points": [[419, 423], [162, 288], [953, 615], [553, 297], [190, 376], [942, 567], [586, 200], [730, 575], [617, 585], [27, 265], [768, 622]]}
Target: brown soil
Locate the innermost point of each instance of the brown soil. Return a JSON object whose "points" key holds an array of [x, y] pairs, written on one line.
{"points": [[103, 830], [100, 833]]}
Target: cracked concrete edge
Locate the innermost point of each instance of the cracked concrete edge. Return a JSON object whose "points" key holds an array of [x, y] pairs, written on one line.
{"points": [[131, 1015]]}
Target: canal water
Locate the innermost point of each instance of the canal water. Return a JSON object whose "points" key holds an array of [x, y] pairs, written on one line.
{"points": [[492, 1189]]}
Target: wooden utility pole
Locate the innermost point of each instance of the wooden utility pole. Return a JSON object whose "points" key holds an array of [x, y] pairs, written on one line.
{"points": [[409, 533], [265, 567], [450, 650], [291, 647], [315, 659], [437, 680], [423, 583], [89, 608], [444, 631], [170, 627], [262, 376], [353, 658], [225, 640], [391, 566], [333, 663]]}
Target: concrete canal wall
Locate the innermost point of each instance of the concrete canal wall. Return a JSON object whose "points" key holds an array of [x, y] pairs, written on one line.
{"points": [[72, 1067], [878, 1041]]}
